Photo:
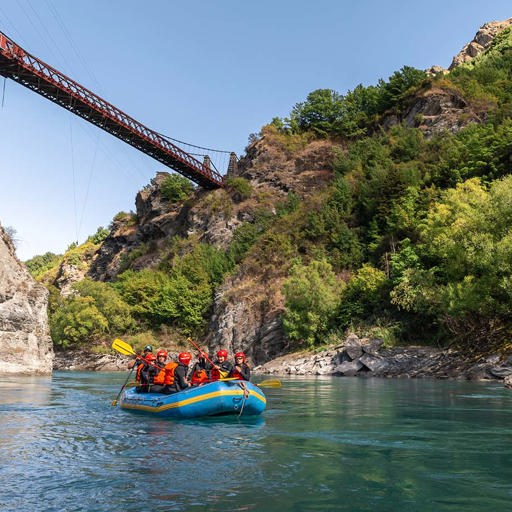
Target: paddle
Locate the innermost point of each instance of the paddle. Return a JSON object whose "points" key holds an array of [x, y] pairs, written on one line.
{"points": [[123, 348], [114, 402], [201, 351], [269, 383]]}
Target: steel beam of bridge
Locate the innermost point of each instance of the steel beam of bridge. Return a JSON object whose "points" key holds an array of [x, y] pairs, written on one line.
{"points": [[31, 72]]}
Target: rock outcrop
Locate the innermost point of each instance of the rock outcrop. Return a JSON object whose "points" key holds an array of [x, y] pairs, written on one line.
{"points": [[248, 306], [25, 343], [482, 40], [435, 110]]}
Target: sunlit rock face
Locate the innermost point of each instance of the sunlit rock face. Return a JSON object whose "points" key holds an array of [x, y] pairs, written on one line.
{"points": [[482, 40], [25, 343]]}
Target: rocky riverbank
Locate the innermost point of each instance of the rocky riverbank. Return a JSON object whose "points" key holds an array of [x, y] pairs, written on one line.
{"points": [[363, 357]]}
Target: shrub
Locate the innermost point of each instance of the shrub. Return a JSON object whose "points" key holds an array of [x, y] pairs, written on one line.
{"points": [[240, 187], [176, 188], [311, 298], [99, 236], [38, 265], [77, 321]]}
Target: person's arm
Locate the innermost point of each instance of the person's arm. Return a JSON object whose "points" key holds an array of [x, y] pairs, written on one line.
{"points": [[245, 371]]}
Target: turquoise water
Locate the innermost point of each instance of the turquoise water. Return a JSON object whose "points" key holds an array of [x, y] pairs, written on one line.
{"points": [[322, 444]]}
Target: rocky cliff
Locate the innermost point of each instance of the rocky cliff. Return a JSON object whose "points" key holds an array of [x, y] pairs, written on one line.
{"points": [[482, 40], [25, 343]]}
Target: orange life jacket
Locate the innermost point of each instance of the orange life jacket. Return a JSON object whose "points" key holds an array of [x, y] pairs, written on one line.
{"points": [[199, 376], [169, 373], [159, 378], [139, 370]]}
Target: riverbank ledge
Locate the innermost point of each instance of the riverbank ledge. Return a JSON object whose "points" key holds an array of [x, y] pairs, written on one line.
{"points": [[366, 357]]}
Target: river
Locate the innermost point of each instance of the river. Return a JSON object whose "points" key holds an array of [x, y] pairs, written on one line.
{"points": [[322, 444]]}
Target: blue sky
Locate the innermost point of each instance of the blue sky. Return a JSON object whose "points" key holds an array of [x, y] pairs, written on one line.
{"points": [[205, 72]]}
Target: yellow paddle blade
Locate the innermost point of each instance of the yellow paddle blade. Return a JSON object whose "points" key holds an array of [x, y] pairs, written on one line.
{"points": [[270, 383], [123, 348]]}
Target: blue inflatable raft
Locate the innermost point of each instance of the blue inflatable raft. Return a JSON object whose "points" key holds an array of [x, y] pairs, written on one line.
{"points": [[215, 398]]}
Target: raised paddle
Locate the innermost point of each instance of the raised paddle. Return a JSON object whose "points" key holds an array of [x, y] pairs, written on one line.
{"points": [[123, 348], [201, 351], [269, 383]]}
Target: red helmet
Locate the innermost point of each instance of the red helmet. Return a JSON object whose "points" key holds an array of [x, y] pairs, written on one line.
{"points": [[202, 354], [222, 353], [185, 358], [150, 357], [240, 354], [161, 352]]}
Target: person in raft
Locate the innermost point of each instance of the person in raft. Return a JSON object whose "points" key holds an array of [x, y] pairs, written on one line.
{"points": [[221, 367], [161, 374], [240, 370], [201, 370], [179, 374], [144, 377], [148, 349], [143, 363]]}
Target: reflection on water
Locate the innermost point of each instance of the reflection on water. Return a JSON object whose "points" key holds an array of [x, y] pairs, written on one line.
{"points": [[322, 444]]}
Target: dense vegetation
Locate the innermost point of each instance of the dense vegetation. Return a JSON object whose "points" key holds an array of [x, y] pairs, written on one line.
{"points": [[412, 240]]}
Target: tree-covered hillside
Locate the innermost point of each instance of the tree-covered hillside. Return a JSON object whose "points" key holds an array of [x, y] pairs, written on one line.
{"points": [[410, 240]]}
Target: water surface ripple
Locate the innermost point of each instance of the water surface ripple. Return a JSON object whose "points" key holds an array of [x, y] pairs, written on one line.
{"points": [[323, 444]]}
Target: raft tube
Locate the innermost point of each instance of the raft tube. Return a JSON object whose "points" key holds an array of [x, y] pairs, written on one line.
{"points": [[215, 398]]}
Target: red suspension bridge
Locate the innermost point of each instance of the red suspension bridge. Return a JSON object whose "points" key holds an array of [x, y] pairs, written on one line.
{"points": [[33, 73]]}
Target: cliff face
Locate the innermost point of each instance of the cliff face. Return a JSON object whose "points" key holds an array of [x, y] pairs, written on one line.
{"points": [[248, 306], [438, 109], [25, 343]]}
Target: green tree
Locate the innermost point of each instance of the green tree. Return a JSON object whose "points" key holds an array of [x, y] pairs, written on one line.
{"points": [[38, 265], [117, 312], [99, 236], [311, 298], [365, 296], [318, 113], [400, 83], [162, 299], [76, 322]]}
